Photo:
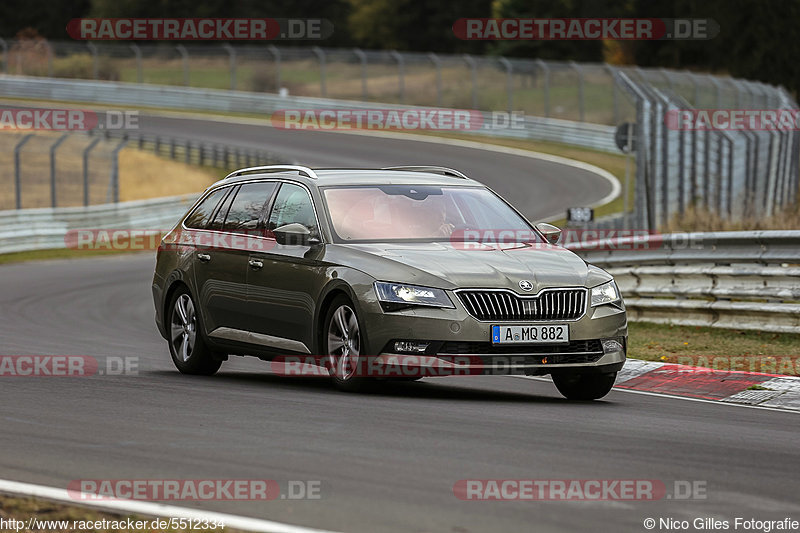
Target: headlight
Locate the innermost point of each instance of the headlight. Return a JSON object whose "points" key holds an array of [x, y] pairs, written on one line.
{"points": [[606, 293], [398, 293]]}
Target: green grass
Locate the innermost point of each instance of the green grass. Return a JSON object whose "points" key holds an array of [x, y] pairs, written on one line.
{"points": [[723, 349]]}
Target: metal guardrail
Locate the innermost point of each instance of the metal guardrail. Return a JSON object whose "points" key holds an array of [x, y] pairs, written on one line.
{"points": [[596, 136], [737, 279], [47, 228]]}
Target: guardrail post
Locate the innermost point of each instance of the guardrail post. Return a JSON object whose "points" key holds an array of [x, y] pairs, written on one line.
{"points": [[20, 70], [473, 65], [581, 103], [667, 78], [401, 73], [614, 93], [509, 82], [86, 169], [115, 170], [437, 63], [188, 152], [320, 53], [276, 55], [362, 57], [185, 62], [138, 53], [232, 62], [718, 88], [4, 46], [172, 147], [53, 149], [17, 169], [95, 60], [49, 59], [696, 89], [546, 86]]}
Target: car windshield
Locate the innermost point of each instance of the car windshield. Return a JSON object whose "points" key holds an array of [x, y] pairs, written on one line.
{"points": [[422, 213]]}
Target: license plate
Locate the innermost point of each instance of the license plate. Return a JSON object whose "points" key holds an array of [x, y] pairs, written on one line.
{"points": [[529, 334]]}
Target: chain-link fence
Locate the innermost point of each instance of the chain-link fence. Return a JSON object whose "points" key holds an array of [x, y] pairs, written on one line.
{"points": [[566, 90], [689, 156], [46, 169], [733, 173]]}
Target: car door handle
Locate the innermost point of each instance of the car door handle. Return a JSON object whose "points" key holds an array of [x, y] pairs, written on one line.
{"points": [[205, 258], [255, 264]]}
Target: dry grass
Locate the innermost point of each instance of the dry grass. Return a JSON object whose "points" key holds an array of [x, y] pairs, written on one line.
{"points": [[142, 174], [18, 508], [697, 219], [723, 349]]}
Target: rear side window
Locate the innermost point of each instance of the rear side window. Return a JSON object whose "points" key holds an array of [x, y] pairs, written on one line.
{"points": [[202, 213], [219, 217], [248, 206], [292, 205]]}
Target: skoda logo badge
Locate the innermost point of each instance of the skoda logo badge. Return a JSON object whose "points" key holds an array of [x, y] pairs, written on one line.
{"points": [[525, 285]]}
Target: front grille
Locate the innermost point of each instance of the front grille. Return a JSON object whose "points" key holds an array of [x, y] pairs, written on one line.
{"points": [[585, 350], [550, 304]]}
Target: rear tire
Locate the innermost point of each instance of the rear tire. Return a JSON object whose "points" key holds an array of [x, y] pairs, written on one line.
{"points": [[187, 345], [344, 344], [584, 387]]}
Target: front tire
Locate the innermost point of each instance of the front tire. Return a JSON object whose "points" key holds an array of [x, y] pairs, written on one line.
{"points": [[344, 346], [187, 346], [584, 387]]}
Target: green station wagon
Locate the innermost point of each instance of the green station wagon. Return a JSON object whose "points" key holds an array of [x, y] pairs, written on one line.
{"points": [[361, 270]]}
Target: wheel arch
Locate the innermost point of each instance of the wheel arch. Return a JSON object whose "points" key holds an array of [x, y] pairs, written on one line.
{"points": [[333, 289]]}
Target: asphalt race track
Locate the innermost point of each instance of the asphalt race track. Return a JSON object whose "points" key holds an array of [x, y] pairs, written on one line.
{"points": [[538, 188], [386, 461]]}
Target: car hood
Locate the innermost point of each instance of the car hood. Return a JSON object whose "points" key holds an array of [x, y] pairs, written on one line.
{"points": [[450, 266]]}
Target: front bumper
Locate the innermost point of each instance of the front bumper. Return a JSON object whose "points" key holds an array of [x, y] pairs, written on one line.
{"points": [[459, 343]]}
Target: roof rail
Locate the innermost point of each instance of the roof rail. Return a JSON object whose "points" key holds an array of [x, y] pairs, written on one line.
{"points": [[273, 168], [433, 169]]}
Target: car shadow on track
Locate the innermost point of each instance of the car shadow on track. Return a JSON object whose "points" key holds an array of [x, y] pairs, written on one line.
{"points": [[427, 389]]}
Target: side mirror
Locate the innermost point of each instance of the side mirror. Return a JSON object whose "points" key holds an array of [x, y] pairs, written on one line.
{"points": [[551, 233], [295, 234]]}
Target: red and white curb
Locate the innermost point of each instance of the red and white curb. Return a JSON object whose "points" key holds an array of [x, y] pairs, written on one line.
{"points": [[731, 386]]}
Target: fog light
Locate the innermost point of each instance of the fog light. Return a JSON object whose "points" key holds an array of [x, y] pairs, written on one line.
{"points": [[611, 345], [410, 346]]}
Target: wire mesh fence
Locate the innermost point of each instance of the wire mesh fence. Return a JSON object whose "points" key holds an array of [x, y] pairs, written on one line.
{"points": [[47, 169], [734, 173], [570, 91]]}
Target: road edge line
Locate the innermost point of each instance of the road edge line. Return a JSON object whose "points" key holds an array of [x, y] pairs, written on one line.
{"points": [[153, 509]]}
